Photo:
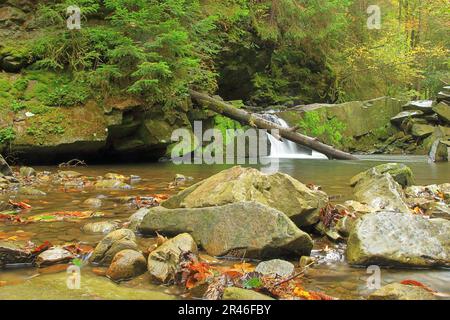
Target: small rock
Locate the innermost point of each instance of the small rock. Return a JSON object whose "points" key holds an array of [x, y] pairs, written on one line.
{"points": [[29, 191], [111, 184], [234, 293], [401, 173], [110, 245], [54, 255], [14, 253], [422, 130], [115, 176], [443, 111], [93, 202], [163, 261], [306, 261], [398, 291], [127, 264], [100, 227], [278, 267], [69, 174], [27, 172], [398, 119]]}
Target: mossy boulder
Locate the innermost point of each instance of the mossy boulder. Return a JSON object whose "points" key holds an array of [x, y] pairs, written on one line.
{"points": [[399, 239], [280, 191], [401, 173], [422, 130], [250, 227]]}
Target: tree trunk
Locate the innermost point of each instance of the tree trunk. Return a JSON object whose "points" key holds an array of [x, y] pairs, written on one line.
{"points": [[256, 121]]}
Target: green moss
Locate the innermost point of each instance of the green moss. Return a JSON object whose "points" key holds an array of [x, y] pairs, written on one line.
{"points": [[4, 85], [7, 135], [317, 124]]}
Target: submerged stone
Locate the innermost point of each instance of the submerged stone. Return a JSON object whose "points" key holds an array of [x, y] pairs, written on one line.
{"points": [[398, 291], [100, 227]]}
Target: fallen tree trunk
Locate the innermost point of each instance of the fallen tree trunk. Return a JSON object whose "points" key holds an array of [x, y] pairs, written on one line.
{"points": [[255, 120]]}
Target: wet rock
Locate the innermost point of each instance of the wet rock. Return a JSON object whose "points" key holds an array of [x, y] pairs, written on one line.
{"points": [[27, 172], [306, 261], [5, 170], [127, 264], [345, 225], [14, 253], [422, 130], [440, 150], [437, 210], [113, 243], [277, 267], [252, 227], [279, 191], [54, 255], [399, 239], [68, 174], [100, 227], [163, 261], [443, 111], [398, 119], [381, 192], [398, 291], [136, 219], [421, 105], [93, 202], [357, 207], [115, 176], [401, 173], [234, 293], [111, 184], [29, 191]]}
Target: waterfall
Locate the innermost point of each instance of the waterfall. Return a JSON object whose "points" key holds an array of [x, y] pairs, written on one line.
{"points": [[286, 148]]}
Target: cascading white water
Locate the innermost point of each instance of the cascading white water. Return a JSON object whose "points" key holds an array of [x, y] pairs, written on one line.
{"points": [[285, 148]]}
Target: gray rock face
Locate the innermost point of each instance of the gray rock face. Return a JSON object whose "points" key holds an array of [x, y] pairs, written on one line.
{"points": [[382, 193], [278, 267], [163, 261], [422, 105], [278, 191], [399, 239], [398, 119], [126, 265], [398, 291], [252, 227], [5, 170], [113, 243]]}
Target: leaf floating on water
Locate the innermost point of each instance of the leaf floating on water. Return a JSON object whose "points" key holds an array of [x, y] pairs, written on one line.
{"points": [[65, 216], [415, 283], [252, 283], [20, 205]]}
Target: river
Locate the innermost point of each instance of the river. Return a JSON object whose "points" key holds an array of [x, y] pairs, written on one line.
{"points": [[332, 276]]}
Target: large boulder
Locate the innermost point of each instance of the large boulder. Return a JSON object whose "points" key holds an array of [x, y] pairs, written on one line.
{"points": [[398, 291], [5, 170], [381, 192], [257, 229], [279, 191], [399, 239], [112, 244], [163, 262], [399, 172]]}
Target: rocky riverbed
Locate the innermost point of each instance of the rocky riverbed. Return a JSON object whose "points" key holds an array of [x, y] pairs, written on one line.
{"points": [[235, 233]]}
